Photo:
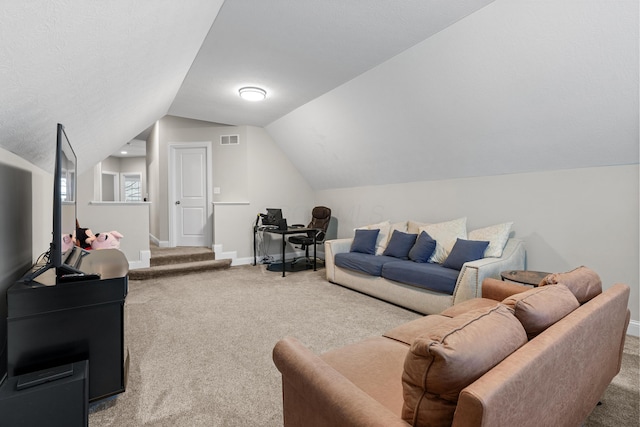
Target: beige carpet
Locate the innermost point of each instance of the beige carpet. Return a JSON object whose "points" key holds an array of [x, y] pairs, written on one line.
{"points": [[201, 347]]}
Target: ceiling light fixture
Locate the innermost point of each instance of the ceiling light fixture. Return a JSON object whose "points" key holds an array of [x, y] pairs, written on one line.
{"points": [[252, 93]]}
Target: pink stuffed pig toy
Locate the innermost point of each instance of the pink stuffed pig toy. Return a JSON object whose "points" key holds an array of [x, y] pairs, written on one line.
{"points": [[68, 241], [109, 240]]}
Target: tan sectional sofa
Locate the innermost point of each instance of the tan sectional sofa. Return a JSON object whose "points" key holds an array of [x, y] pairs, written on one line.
{"points": [[516, 357]]}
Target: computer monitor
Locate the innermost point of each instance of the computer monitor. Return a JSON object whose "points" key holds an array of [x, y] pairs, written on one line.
{"points": [[272, 217]]}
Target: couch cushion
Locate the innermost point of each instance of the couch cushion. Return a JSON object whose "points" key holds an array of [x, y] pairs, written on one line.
{"points": [[383, 236], [539, 308], [365, 263], [408, 332], [400, 244], [465, 251], [423, 248], [497, 235], [452, 355], [375, 365], [445, 235], [364, 241], [583, 282], [469, 305], [424, 275]]}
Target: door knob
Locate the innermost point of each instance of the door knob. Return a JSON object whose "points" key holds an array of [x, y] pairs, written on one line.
{"points": [[178, 202]]}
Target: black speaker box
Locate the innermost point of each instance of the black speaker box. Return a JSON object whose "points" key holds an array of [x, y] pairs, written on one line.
{"points": [[52, 397]]}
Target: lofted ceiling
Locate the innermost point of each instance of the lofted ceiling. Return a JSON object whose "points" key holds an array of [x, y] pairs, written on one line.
{"points": [[359, 92]]}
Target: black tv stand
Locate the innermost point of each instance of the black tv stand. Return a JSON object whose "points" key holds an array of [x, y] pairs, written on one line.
{"points": [[52, 323]]}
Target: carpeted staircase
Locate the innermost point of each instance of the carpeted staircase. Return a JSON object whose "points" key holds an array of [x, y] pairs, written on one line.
{"points": [[178, 261]]}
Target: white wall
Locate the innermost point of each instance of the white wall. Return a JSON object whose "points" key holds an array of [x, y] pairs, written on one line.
{"points": [[274, 182], [567, 218], [130, 219], [42, 204]]}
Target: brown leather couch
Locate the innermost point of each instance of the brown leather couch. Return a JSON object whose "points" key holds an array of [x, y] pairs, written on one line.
{"points": [[516, 357]]}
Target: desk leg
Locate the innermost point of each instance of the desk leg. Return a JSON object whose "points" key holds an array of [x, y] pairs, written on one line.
{"points": [[284, 243], [315, 245], [254, 245]]}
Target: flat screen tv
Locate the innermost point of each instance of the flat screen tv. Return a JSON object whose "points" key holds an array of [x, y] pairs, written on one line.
{"points": [[62, 248], [64, 203]]}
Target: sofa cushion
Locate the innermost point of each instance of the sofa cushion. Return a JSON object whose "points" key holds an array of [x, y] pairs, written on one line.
{"points": [[365, 263], [465, 251], [364, 241], [423, 248], [414, 226], [400, 244], [384, 228], [583, 282], [445, 235], [497, 235], [469, 305], [424, 275], [408, 332], [452, 355], [539, 308]]}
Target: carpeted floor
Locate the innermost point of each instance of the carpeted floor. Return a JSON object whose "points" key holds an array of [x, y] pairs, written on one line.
{"points": [[201, 347]]}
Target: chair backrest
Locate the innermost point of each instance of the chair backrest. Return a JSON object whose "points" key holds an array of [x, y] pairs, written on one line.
{"points": [[320, 217]]}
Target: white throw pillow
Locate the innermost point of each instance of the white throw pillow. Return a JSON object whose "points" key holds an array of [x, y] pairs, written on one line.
{"points": [[497, 236], [445, 235], [383, 235], [413, 227]]}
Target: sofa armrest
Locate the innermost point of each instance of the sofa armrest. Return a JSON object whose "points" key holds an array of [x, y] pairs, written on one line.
{"points": [[315, 394], [331, 248], [498, 290], [469, 284]]}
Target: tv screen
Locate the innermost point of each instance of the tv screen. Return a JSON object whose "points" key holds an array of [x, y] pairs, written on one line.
{"points": [[64, 201]]}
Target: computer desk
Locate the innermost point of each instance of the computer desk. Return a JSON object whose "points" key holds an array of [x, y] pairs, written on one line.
{"points": [[293, 230]]}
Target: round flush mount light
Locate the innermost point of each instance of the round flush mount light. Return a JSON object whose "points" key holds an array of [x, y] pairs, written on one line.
{"points": [[251, 93]]}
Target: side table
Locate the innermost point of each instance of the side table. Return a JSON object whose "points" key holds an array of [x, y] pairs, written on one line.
{"points": [[525, 277]]}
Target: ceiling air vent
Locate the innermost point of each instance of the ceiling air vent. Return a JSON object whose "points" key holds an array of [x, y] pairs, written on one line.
{"points": [[229, 139]]}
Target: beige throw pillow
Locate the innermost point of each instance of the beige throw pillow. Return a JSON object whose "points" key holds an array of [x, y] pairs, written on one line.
{"points": [[497, 236], [445, 235]]}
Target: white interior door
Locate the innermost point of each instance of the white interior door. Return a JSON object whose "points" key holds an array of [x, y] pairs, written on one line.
{"points": [[190, 196]]}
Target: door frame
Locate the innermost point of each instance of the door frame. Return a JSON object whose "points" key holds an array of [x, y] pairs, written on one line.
{"points": [[172, 147]]}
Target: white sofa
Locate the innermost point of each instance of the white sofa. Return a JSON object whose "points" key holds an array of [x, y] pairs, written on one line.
{"points": [[421, 300]]}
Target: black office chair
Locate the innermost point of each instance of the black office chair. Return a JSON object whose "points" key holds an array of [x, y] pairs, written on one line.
{"points": [[320, 217]]}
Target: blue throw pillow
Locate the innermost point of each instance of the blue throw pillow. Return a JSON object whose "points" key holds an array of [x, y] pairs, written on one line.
{"points": [[465, 251], [364, 241], [400, 244], [423, 248]]}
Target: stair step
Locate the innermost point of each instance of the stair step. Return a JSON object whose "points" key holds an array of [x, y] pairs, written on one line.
{"points": [[177, 269], [169, 258]]}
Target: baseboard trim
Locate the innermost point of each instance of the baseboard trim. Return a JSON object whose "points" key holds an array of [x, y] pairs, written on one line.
{"points": [[144, 262], [159, 243], [634, 328]]}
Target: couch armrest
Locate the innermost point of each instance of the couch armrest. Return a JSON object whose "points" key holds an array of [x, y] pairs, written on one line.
{"points": [[315, 394], [469, 284], [331, 248], [498, 290]]}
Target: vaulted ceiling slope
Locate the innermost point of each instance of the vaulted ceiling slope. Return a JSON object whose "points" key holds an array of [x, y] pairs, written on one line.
{"points": [[518, 86], [107, 70], [359, 92]]}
